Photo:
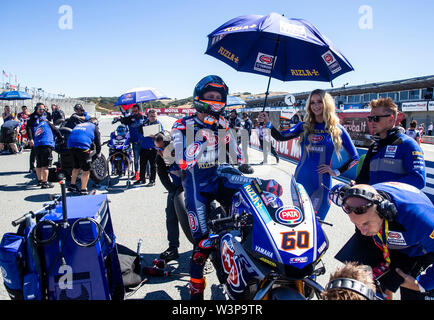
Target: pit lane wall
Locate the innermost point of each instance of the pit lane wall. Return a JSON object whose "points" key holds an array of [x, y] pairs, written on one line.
{"points": [[291, 151]]}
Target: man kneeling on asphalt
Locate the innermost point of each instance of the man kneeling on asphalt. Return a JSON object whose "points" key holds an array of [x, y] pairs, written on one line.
{"points": [[42, 135], [9, 135], [80, 142]]}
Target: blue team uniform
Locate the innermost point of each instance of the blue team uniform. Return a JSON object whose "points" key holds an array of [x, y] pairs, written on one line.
{"points": [[43, 135], [412, 232], [320, 152], [199, 159], [398, 157]]}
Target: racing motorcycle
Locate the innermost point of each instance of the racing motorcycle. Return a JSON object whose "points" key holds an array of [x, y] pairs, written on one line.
{"points": [[119, 162], [268, 246], [64, 165], [22, 139]]}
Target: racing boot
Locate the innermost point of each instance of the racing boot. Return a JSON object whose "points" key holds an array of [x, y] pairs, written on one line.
{"points": [[46, 185], [197, 287], [73, 188], [171, 253]]}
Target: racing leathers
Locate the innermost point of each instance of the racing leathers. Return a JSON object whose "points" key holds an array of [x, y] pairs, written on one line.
{"points": [[199, 148], [197, 145], [397, 157], [316, 149]]}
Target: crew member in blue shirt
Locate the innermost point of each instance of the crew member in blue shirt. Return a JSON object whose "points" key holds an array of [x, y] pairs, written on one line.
{"points": [[393, 156], [81, 141], [42, 136], [148, 152], [399, 218]]}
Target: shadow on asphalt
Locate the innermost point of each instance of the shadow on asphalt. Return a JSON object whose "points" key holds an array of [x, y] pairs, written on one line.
{"points": [[179, 272], [19, 187], [44, 197], [9, 173]]}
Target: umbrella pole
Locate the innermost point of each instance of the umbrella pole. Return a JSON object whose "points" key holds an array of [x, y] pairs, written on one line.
{"points": [[271, 71]]}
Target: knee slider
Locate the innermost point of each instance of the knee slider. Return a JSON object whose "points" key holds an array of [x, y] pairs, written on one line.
{"points": [[197, 286]]}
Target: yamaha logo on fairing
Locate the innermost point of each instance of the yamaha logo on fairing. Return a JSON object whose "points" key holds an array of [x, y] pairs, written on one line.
{"points": [[289, 215]]}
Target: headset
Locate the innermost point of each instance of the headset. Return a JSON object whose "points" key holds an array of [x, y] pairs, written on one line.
{"points": [[385, 208], [353, 285]]}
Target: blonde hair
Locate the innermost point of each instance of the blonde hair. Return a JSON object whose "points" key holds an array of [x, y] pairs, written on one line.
{"points": [[330, 118], [350, 270]]}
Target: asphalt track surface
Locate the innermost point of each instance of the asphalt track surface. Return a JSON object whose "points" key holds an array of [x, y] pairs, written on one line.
{"points": [[139, 213]]}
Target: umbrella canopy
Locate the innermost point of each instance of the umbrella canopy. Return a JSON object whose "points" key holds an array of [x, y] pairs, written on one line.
{"points": [[234, 101], [140, 95], [253, 43], [277, 47], [15, 95]]}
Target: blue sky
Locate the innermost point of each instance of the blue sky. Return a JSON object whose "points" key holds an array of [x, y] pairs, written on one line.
{"points": [[117, 45]]}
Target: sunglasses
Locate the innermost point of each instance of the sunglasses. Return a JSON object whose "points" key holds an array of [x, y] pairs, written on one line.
{"points": [[377, 118], [357, 210]]}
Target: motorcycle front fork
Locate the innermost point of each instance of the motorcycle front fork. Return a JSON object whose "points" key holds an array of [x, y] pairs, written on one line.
{"points": [[265, 286]]}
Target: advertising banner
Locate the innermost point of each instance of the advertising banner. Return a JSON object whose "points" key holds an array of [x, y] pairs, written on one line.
{"points": [[414, 106]]}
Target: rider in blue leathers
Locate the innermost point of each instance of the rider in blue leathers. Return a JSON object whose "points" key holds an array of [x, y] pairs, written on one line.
{"points": [[120, 142], [402, 227], [197, 141], [317, 150]]}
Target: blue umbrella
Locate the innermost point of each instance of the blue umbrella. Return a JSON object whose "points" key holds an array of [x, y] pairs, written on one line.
{"points": [[15, 95], [277, 47], [140, 95]]}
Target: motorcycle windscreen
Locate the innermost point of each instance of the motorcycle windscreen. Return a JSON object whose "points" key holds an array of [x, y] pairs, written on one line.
{"points": [[285, 228]]}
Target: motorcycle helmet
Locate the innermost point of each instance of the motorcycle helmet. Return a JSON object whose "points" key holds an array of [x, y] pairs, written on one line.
{"points": [[121, 130], [78, 107], [210, 83]]}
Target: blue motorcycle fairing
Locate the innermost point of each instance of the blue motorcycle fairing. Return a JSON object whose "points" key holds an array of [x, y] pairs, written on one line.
{"points": [[240, 268], [293, 244]]}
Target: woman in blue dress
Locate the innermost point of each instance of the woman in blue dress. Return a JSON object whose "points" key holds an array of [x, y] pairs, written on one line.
{"points": [[320, 135]]}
